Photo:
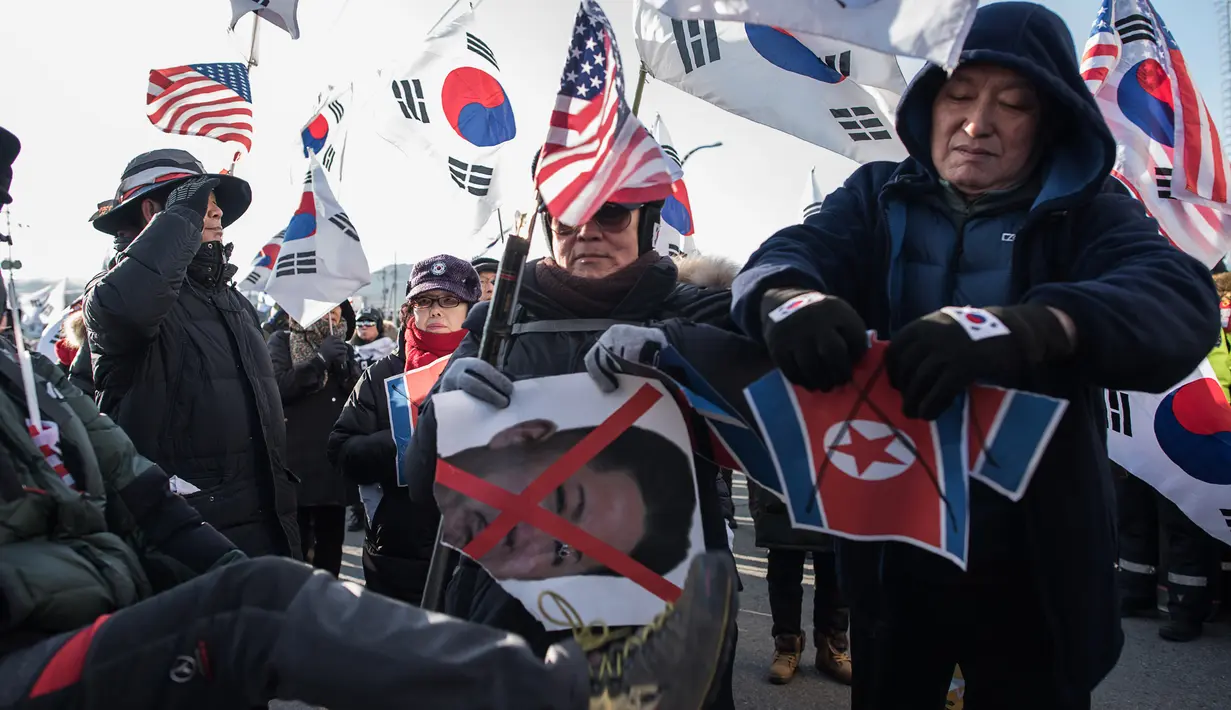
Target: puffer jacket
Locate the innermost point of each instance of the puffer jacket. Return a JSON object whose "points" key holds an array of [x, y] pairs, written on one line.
{"points": [[1083, 247], [180, 363], [658, 297], [71, 552], [311, 412], [401, 533]]}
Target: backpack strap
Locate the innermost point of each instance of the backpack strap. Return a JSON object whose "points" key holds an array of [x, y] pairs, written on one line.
{"points": [[570, 325]]}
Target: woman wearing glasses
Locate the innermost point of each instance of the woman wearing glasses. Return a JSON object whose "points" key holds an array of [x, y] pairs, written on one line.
{"points": [[401, 534]]}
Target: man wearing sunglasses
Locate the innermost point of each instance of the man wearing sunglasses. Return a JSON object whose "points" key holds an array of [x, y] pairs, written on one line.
{"points": [[602, 273]]}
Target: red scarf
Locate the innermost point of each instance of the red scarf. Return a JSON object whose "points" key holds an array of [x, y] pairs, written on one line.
{"points": [[65, 352], [425, 348]]}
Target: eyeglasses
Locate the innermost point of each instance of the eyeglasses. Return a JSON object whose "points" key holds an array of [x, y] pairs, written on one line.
{"points": [[422, 303], [611, 217], [365, 324]]}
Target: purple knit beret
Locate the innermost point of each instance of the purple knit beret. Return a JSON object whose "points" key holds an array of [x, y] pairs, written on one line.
{"points": [[445, 273]]}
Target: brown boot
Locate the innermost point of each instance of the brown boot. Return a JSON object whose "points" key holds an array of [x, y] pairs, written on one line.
{"points": [[833, 656], [787, 650]]}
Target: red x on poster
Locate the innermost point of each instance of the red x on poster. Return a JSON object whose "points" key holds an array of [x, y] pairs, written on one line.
{"points": [[536, 503]]}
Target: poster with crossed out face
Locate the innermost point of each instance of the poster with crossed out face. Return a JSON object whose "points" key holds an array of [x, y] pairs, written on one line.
{"points": [[574, 494]]}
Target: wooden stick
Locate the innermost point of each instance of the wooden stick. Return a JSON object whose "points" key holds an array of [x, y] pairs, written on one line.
{"points": [[640, 86]]}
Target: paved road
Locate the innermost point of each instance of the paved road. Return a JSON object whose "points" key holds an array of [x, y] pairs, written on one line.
{"points": [[1152, 673]]}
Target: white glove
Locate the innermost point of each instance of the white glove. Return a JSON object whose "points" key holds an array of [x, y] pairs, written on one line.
{"points": [[479, 380], [632, 343]]}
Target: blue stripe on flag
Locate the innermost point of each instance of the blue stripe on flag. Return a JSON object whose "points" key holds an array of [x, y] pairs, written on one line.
{"points": [[1014, 450], [747, 448], [399, 421], [955, 506], [788, 443]]}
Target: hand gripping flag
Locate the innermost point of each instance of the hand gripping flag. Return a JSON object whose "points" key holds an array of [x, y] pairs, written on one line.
{"points": [[263, 265], [814, 196], [449, 103], [1170, 155], [596, 150], [321, 262], [282, 14], [933, 29], [325, 133], [210, 100], [828, 92], [676, 230], [850, 463], [1179, 442]]}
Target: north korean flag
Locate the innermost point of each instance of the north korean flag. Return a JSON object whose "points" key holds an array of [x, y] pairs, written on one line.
{"points": [[851, 464]]}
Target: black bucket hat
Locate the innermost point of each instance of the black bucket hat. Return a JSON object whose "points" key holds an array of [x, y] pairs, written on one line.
{"points": [[159, 171], [9, 148]]}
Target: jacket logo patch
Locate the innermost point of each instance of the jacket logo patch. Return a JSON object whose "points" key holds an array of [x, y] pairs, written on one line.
{"points": [[1008, 237]]}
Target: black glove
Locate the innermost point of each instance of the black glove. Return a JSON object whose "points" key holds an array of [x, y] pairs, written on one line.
{"points": [[935, 358], [193, 194], [332, 350], [813, 338]]}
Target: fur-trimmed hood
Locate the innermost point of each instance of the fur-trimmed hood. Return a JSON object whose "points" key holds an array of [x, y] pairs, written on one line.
{"points": [[706, 271], [73, 329]]}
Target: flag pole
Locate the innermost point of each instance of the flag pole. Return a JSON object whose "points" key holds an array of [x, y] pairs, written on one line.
{"points": [[497, 330], [640, 85], [252, 62]]}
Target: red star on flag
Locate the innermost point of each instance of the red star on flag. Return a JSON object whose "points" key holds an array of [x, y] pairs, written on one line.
{"points": [[867, 452]]}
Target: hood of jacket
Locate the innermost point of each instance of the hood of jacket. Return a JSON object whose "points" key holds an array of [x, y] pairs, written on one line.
{"points": [[1034, 42], [706, 271]]}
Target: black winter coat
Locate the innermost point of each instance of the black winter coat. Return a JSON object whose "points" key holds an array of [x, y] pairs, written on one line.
{"points": [[472, 594], [311, 412], [402, 534], [180, 364], [1145, 315], [772, 523]]}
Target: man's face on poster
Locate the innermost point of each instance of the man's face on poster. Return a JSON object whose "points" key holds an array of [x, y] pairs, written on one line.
{"points": [[607, 504]]}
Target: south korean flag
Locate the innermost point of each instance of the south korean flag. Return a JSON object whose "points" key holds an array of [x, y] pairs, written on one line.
{"points": [[978, 323]]}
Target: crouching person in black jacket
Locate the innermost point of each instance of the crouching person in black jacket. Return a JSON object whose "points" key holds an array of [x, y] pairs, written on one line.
{"points": [[179, 360]]}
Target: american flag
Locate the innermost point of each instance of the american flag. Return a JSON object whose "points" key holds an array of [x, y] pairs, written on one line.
{"points": [[1102, 50], [211, 100], [597, 150], [1169, 156]]}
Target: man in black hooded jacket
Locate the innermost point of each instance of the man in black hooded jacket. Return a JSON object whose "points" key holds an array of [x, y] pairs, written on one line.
{"points": [[178, 356], [1005, 206]]}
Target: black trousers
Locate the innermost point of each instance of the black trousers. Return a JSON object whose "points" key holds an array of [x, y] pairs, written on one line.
{"points": [[272, 628], [786, 593], [932, 617], [322, 529], [1191, 557]]}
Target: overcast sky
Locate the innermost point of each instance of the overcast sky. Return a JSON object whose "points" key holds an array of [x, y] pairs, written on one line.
{"points": [[75, 87]]}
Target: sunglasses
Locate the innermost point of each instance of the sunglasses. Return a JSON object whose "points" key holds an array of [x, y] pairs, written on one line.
{"points": [[611, 217], [422, 303]]}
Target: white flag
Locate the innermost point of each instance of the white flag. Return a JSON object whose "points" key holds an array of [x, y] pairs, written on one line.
{"points": [[325, 133], [813, 196], [675, 230], [279, 13], [263, 265], [321, 262], [1179, 442], [929, 29], [448, 102], [33, 305], [827, 92], [1165, 137]]}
